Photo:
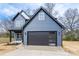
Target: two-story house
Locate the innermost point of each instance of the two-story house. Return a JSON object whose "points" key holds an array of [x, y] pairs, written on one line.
{"points": [[39, 29]]}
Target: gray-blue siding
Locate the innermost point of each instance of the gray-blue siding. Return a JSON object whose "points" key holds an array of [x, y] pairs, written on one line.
{"points": [[19, 22], [43, 25]]}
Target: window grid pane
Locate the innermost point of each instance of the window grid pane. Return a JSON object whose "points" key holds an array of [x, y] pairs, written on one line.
{"points": [[41, 16]]}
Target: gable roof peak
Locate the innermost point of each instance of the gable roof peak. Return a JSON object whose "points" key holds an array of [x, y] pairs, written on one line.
{"points": [[25, 16], [41, 7], [44, 10]]}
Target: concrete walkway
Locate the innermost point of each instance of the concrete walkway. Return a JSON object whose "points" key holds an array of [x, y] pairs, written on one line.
{"points": [[39, 51]]}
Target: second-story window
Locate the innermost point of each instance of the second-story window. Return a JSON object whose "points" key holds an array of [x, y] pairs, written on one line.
{"points": [[18, 24], [41, 16]]}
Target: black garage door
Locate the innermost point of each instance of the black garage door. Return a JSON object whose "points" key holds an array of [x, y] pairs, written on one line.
{"points": [[42, 38]]}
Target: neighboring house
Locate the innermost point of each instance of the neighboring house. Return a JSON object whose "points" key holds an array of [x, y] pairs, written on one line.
{"points": [[40, 29]]}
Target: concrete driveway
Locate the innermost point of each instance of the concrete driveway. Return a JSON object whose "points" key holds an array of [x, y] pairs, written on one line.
{"points": [[39, 51]]}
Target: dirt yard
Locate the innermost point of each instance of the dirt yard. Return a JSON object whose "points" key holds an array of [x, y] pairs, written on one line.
{"points": [[4, 48], [71, 46]]}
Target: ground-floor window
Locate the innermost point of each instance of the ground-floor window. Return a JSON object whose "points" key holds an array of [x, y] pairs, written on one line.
{"points": [[19, 36]]}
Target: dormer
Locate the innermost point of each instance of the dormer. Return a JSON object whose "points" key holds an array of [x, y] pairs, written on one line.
{"points": [[20, 19]]}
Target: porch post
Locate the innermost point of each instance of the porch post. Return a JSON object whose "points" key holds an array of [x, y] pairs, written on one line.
{"points": [[10, 36]]}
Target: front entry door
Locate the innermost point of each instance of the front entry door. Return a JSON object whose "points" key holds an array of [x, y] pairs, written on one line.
{"points": [[19, 36]]}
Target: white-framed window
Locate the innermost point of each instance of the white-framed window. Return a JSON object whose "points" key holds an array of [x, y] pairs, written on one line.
{"points": [[19, 23], [41, 16]]}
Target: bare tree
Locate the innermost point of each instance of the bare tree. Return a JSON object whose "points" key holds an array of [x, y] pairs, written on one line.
{"points": [[50, 8], [28, 11], [6, 24], [34, 10], [70, 19]]}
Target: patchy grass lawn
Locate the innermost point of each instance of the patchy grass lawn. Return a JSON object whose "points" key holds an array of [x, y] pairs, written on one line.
{"points": [[71, 46], [4, 40]]}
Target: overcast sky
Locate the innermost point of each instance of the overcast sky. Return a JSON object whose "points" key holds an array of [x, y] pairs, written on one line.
{"points": [[8, 10]]}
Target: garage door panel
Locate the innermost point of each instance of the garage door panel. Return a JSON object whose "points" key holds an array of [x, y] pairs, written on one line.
{"points": [[41, 38], [38, 42]]}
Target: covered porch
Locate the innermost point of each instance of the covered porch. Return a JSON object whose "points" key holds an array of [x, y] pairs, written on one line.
{"points": [[17, 35]]}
